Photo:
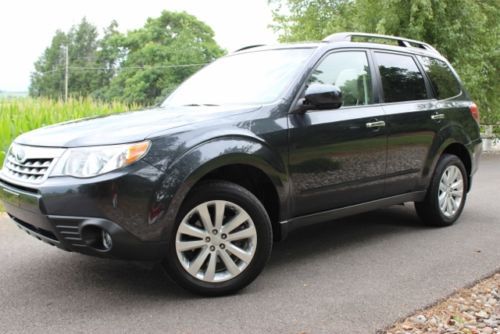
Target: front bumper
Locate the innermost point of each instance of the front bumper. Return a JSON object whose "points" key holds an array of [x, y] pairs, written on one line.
{"points": [[71, 214]]}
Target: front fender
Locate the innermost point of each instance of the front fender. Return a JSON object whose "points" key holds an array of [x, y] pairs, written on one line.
{"points": [[183, 173]]}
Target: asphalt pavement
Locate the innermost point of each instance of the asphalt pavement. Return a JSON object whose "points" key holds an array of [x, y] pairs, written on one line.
{"points": [[354, 275]]}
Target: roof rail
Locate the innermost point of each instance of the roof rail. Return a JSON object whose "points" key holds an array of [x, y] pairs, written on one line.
{"points": [[249, 47], [404, 42]]}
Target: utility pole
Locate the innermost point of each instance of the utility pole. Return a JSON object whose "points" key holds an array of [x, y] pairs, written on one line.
{"points": [[66, 73]]}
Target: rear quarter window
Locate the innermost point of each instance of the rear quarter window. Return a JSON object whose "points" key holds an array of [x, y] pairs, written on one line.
{"points": [[443, 80]]}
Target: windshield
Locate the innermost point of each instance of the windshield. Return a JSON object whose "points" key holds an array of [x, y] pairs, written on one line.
{"points": [[247, 78]]}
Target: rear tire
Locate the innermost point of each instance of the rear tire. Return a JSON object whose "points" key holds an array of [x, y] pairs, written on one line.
{"points": [[447, 193], [221, 241]]}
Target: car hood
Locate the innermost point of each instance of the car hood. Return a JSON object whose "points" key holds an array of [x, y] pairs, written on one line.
{"points": [[124, 127]]}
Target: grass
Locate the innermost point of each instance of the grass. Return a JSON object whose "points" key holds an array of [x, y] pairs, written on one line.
{"points": [[19, 115]]}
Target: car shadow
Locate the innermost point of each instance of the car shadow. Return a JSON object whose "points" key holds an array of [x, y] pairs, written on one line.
{"points": [[338, 235], [133, 282]]}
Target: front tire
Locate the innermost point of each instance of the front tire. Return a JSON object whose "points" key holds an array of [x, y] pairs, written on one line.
{"points": [[447, 193], [221, 241]]}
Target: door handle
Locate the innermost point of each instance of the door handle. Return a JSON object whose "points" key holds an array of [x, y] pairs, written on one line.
{"points": [[437, 116], [378, 124]]}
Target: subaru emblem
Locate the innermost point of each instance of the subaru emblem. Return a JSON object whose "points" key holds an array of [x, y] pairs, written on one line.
{"points": [[19, 154]]}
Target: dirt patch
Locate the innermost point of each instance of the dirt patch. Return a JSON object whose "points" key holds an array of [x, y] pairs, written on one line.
{"points": [[474, 310]]}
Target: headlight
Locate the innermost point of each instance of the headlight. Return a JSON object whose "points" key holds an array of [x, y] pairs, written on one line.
{"points": [[96, 160]]}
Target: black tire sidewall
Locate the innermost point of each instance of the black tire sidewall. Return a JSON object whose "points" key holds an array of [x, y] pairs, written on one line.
{"points": [[222, 190]]}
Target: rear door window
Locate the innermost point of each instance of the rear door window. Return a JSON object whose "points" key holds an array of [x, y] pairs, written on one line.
{"points": [[443, 80], [401, 78]]}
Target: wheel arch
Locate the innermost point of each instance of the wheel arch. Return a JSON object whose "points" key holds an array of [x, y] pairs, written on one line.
{"points": [[244, 161], [459, 150], [462, 153]]}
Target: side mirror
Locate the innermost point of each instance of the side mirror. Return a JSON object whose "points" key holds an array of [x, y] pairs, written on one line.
{"points": [[321, 97]]}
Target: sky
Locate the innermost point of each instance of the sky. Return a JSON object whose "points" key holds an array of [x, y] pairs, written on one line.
{"points": [[27, 26]]}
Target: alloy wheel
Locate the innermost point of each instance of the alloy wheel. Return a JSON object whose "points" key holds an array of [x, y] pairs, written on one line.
{"points": [[451, 191], [216, 241]]}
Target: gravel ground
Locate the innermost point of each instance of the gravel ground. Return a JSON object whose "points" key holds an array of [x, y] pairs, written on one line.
{"points": [[469, 311]]}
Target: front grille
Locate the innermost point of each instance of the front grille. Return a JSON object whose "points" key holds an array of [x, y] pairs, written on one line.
{"points": [[31, 170], [29, 164]]}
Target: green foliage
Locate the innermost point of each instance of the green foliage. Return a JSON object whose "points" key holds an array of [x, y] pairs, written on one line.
{"points": [[147, 73], [303, 20], [142, 66], [48, 77], [19, 115], [109, 55], [466, 32]]}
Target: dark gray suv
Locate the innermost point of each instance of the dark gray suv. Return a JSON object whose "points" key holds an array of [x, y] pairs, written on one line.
{"points": [[252, 146]]}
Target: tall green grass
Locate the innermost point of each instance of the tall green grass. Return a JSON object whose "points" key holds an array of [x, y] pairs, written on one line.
{"points": [[19, 115]]}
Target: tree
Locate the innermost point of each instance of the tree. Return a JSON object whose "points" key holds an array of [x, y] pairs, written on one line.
{"points": [[140, 67], [466, 32], [48, 77], [109, 56], [302, 20], [161, 55]]}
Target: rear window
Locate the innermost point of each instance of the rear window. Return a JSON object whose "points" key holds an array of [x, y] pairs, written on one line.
{"points": [[443, 81], [401, 78]]}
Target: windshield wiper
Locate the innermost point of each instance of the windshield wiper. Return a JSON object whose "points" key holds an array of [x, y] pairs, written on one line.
{"points": [[200, 105]]}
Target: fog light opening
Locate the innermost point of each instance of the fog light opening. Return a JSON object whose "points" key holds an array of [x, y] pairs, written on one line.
{"points": [[97, 238], [107, 241]]}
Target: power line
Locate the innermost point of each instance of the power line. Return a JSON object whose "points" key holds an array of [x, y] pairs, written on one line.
{"points": [[140, 67]]}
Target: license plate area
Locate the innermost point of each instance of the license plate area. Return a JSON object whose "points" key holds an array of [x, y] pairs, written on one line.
{"points": [[19, 198]]}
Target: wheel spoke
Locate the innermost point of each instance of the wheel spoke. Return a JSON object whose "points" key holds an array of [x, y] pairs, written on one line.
{"points": [[220, 207], [453, 205], [447, 177], [449, 206], [183, 246], [235, 222], [458, 185], [205, 217], [457, 174], [243, 234], [446, 205], [442, 185], [229, 263], [192, 231], [196, 265], [452, 175], [212, 263], [240, 253], [443, 206], [441, 199]]}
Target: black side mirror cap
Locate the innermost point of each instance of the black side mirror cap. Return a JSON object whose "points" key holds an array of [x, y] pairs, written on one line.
{"points": [[320, 97]]}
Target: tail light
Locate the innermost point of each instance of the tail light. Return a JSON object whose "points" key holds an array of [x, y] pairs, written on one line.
{"points": [[474, 111]]}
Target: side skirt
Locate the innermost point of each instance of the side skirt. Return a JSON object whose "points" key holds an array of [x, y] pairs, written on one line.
{"points": [[324, 216]]}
